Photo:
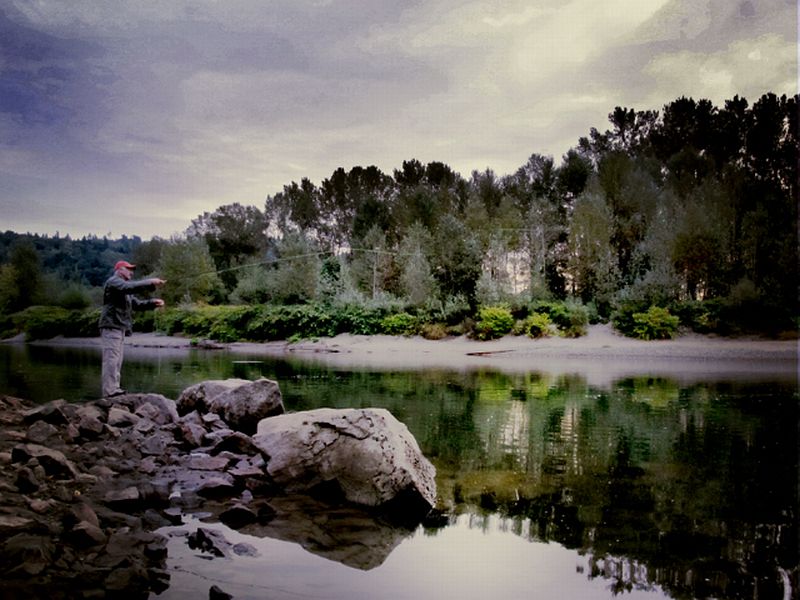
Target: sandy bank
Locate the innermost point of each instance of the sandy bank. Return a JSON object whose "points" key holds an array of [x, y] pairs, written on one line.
{"points": [[602, 355]]}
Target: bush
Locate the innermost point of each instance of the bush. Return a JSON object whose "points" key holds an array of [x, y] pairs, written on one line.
{"points": [[536, 325], [399, 324], [493, 322], [655, 324], [433, 331], [570, 317]]}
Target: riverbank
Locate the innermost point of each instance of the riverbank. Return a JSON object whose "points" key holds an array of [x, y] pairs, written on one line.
{"points": [[602, 355]]}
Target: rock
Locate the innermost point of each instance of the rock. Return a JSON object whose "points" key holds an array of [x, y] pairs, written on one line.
{"points": [[166, 410], [204, 462], [198, 396], [236, 442], [122, 499], [244, 406], [54, 462], [209, 540], [215, 593], [240, 403], [40, 432], [237, 516], [27, 481], [86, 535], [52, 412], [367, 453], [29, 553], [121, 417], [11, 523]]}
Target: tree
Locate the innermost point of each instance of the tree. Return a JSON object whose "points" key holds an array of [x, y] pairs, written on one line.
{"points": [[592, 264], [187, 266], [295, 276], [371, 266], [22, 277], [416, 278], [457, 259], [234, 234]]}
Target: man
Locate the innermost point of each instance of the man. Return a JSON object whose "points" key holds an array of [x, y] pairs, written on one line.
{"points": [[116, 319]]}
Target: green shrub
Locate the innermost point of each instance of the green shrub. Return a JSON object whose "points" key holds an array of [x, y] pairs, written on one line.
{"points": [[433, 331], [400, 324], [74, 297], [655, 324], [536, 325], [493, 322], [41, 322], [570, 317]]}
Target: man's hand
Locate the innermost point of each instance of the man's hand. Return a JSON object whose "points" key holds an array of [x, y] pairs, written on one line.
{"points": [[158, 282], [158, 302]]}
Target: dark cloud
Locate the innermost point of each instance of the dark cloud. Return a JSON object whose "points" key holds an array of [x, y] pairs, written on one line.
{"points": [[46, 79]]}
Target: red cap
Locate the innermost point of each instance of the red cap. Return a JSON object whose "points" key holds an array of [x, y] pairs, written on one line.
{"points": [[123, 263]]}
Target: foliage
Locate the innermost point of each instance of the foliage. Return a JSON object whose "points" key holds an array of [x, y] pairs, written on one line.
{"points": [[655, 324], [189, 271], [493, 322], [535, 325], [570, 317], [45, 322], [433, 331], [689, 203], [399, 324]]}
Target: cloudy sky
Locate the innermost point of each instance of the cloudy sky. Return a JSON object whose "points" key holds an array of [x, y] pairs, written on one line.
{"points": [[136, 116]]}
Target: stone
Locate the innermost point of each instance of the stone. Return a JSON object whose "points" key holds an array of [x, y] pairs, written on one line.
{"points": [[52, 412], [122, 499], [86, 535], [216, 593], [244, 406], [166, 409], [40, 432], [240, 403], [198, 396], [204, 462], [209, 540], [54, 462], [367, 453], [237, 516], [121, 417]]}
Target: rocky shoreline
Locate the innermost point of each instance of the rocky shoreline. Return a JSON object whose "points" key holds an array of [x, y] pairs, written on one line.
{"points": [[84, 487]]}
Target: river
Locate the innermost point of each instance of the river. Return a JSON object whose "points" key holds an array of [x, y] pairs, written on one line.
{"points": [[551, 486]]}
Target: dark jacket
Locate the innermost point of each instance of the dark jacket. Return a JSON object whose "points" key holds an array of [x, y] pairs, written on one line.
{"points": [[119, 302]]}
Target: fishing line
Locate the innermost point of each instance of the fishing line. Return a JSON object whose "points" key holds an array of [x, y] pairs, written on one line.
{"points": [[273, 261]]}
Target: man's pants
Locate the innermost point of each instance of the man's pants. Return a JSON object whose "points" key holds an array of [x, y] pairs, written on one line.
{"points": [[113, 342]]}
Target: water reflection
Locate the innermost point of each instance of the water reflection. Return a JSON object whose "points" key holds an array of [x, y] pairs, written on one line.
{"points": [[689, 491]]}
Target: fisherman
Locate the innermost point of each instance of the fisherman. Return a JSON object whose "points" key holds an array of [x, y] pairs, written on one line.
{"points": [[116, 319]]}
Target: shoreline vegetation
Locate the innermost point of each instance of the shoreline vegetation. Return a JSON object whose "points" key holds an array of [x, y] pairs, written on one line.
{"points": [[602, 355]]}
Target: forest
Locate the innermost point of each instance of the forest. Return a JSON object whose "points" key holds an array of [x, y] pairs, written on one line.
{"points": [[679, 217]]}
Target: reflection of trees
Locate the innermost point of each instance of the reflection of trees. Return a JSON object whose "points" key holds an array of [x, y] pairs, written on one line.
{"points": [[691, 489]]}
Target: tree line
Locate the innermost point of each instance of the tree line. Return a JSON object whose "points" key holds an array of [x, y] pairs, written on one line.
{"points": [[691, 208]]}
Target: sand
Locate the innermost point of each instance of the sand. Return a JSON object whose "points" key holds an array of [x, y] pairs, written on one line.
{"points": [[602, 356]]}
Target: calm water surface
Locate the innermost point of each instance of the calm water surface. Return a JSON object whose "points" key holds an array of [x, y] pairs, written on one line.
{"points": [[646, 488]]}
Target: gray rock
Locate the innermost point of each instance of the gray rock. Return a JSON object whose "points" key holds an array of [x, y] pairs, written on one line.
{"points": [[121, 417], [240, 403], [209, 540], [41, 431], [367, 453], [166, 409], [54, 462], [52, 412], [86, 535]]}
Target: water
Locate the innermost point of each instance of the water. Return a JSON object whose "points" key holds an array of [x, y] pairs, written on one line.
{"points": [[646, 487]]}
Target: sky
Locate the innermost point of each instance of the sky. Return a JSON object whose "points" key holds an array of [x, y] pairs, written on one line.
{"points": [[133, 117]]}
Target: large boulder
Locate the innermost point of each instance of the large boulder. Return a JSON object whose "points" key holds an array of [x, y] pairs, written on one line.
{"points": [[239, 402], [368, 454]]}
